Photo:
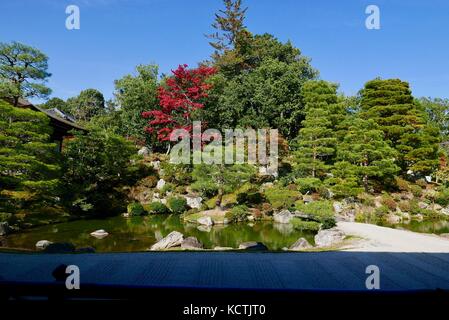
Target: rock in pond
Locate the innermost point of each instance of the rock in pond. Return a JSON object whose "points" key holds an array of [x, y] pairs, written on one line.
{"points": [[99, 234], [173, 239], [60, 247], [282, 217], [252, 246], [42, 244], [206, 221], [194, 202], [328, 237], [191, 243], [300, 244]]}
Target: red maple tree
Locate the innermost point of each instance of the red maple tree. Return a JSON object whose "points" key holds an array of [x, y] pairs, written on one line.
{"points": [[181, 94]]}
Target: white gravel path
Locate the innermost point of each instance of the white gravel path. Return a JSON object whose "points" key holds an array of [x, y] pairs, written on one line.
{"points": [[382, 239]]}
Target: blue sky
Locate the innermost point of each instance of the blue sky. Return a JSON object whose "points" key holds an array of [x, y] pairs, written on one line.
{"points": [[116, 35]]}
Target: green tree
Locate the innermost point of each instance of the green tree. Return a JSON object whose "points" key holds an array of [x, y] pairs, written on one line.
{"points": [[364, 156], [317, 140], [29, 166], [23, 72], [404, 123], [135, 94], [437, 110], [96, 166], [56, 103], [229, 23], [86, 105]]}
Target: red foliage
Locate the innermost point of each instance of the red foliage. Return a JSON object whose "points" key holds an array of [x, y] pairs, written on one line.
{"points": [[182, 93]]}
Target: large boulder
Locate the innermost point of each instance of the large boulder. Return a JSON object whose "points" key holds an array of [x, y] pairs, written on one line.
{"points": [[300, 244], [160, 184], [205, 221], [173, 239], [4, 228], [99, 234], [282, 217], [328, 237], [42, 244], [194, 202], [252, 246], [144, 151], [191, 243]]}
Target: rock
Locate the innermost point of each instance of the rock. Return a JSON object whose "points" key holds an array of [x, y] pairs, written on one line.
{"points": [[223, 248], [300, 244], [42, 244], [173, 239], [194, 202], [144, 151], [4, 228], [205, 221], [328, 237], [191, 243], [445, 211], [253, 246], [406, 216], [85, 250], [125, 215], [428, 179], [160, 184], [307, 199], [423, 205], [393, 219], [437, 207], [99, 234], [282, 217], [418, 217], [156, 164], [338, 208], [60, 247]]}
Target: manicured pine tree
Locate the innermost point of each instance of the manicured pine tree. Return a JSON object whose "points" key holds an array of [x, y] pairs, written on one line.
{"points": [[391, 105], [316, 140], [29, 169], [365, 155]]}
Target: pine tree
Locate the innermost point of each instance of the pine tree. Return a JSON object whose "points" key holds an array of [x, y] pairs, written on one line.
{"points": [[365, 155], [29, 169], [316, 139], [391, 105]]}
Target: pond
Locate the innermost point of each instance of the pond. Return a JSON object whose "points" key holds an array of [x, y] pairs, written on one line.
{"points": [[139, 233]]}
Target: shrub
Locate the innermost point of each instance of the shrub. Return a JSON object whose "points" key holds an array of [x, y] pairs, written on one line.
{"points": [[135, 209], [177, 204], [367, 199], [421, 182], [381, 211], [168, 187], [416, 190], [180, 174], [281, 198], [321, 211], [442, 197], [250, 198], [301, 225], [389, 202], [404, 206], [149, 182], [267, 208], [156, 208], [308, 184], [402, 184], [237, 213]]}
